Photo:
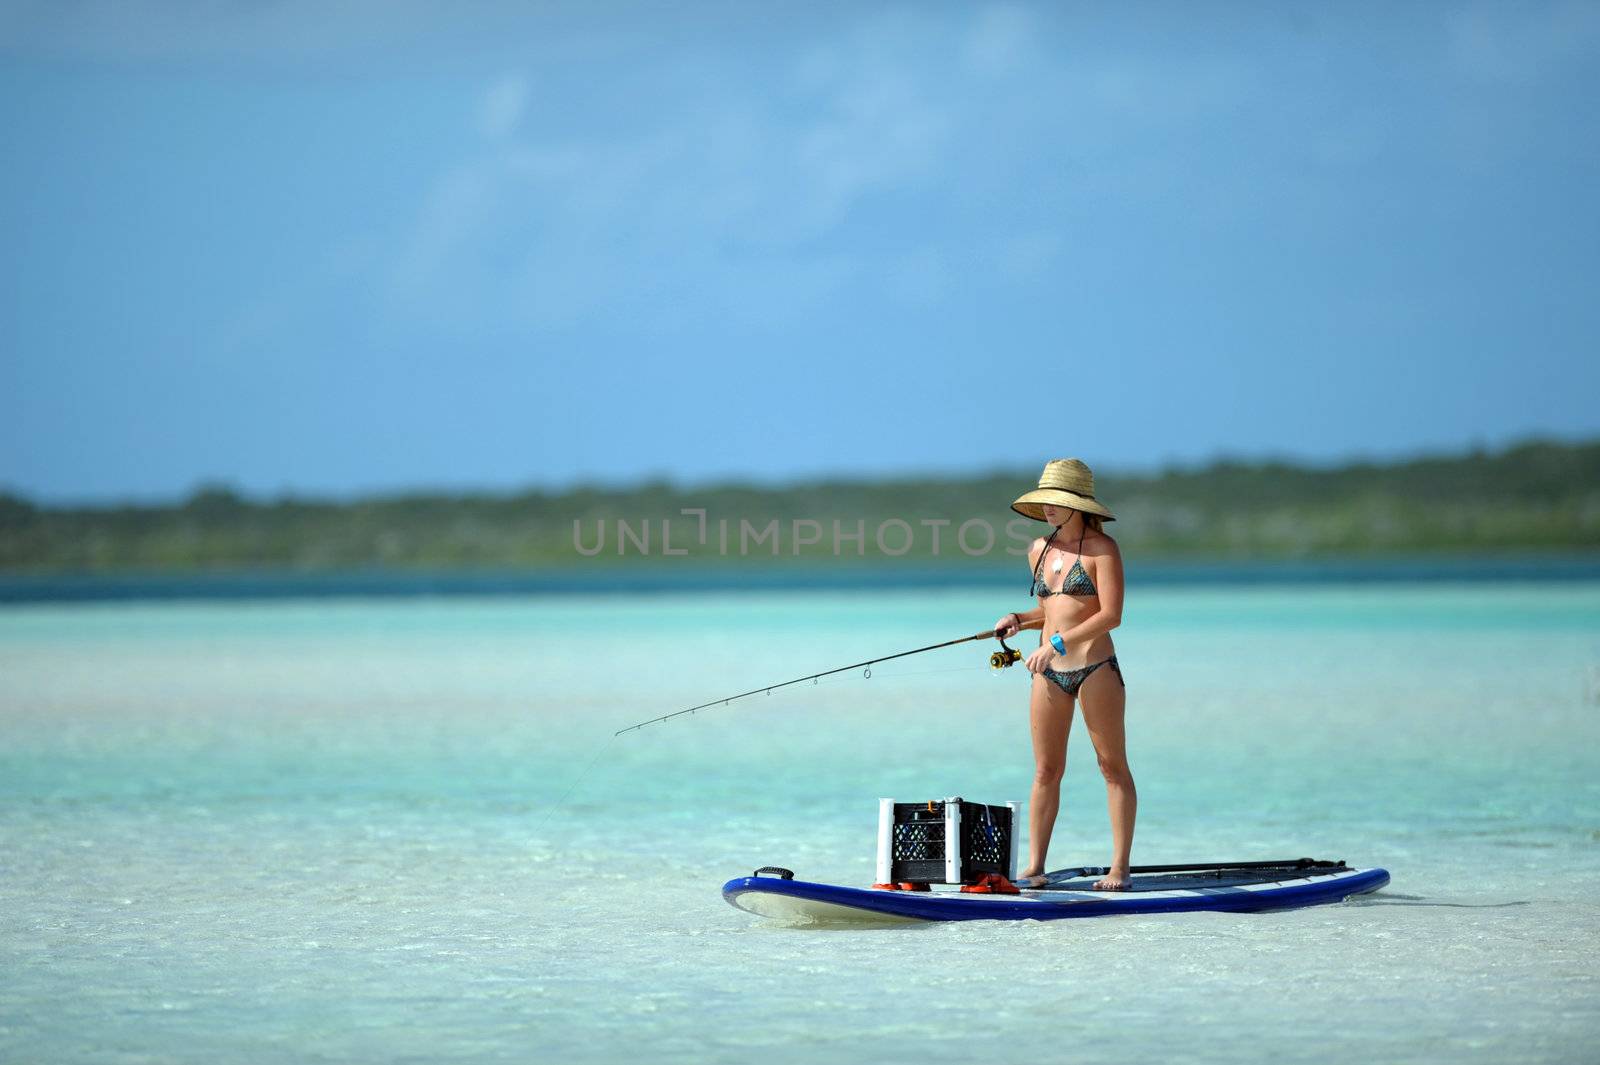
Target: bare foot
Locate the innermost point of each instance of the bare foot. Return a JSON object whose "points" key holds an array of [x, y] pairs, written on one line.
{"points": [[1031, 879], [1117, 880]]}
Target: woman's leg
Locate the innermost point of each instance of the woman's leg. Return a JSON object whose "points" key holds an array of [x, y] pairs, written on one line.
{"points": [[1104, 699], [1050, 716]]}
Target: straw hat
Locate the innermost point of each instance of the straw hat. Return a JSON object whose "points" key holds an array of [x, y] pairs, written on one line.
{"points": [[1064, 483]]}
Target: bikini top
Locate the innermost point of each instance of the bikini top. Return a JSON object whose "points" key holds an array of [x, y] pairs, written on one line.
{"points": [[1076, 582]]}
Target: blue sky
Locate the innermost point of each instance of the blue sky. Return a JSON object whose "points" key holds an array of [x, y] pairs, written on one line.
{"points": [[343, 247]]}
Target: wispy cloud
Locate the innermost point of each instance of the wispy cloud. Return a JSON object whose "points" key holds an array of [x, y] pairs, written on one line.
{"points": [[503, 106], [721, 206]]}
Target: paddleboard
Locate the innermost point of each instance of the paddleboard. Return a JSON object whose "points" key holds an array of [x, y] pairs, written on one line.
{"points": [[1241, 887]]}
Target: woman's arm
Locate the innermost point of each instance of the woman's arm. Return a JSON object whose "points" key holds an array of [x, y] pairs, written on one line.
{"points": [[1014, 623]]}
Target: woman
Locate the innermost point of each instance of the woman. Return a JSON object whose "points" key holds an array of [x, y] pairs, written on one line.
{"points": [[1077, 576]]}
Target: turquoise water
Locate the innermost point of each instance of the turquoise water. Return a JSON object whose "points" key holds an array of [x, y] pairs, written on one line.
{"points": [[327, 830]]}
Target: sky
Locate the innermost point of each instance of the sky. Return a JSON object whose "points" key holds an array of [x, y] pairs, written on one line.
{"points": [[343, 247]]}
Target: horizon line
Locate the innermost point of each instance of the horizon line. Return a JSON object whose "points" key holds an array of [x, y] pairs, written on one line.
{"points": [[657, 480]]}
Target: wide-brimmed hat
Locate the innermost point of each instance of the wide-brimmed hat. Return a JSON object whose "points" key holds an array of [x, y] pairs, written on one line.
{"points": [[1064, 483]]}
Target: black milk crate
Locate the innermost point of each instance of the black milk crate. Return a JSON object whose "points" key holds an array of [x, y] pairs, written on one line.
{"points": [[946, 841]]}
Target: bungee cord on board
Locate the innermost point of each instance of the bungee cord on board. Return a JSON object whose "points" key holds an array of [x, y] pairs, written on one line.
{"points": [[1000, 659]]}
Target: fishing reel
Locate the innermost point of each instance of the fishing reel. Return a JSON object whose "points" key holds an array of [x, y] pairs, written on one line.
{"points": [[1005, 657]]}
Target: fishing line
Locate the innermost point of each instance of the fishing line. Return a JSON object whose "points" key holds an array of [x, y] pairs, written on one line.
{"points": [[1001, 659], [598, 751]]}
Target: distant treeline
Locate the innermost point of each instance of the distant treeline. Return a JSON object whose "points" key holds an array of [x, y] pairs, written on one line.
{"points": [[1536, 497]]}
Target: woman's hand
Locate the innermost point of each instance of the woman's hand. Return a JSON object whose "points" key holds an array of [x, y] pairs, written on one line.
{"points": [[1008, 626], [1041, 658]]}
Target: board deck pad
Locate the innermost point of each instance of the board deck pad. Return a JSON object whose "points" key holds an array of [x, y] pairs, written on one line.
{"points": [[1084, 879], [1067, 893]]}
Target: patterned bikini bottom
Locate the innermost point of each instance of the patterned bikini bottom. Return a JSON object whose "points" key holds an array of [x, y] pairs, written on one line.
{"points": [[1070, 680]]}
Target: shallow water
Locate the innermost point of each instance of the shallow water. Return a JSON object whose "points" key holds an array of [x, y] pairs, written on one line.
{"points": [[329, 830]]}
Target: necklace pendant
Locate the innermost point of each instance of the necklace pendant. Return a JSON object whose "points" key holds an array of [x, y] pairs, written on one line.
{"points": [[1055, 567]]}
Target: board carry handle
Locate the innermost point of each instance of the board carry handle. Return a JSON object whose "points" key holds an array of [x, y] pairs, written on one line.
{"points": [[783, 874]]}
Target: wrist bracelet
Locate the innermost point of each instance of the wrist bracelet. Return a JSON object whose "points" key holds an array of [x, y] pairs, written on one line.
{"points": [[1055, 641]]}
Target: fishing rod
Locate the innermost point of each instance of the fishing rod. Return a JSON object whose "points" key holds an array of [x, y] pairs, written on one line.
{"points": [[1001, 659]]}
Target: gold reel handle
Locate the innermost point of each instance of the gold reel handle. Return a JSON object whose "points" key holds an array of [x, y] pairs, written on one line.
{"points": [[1005, 657]]}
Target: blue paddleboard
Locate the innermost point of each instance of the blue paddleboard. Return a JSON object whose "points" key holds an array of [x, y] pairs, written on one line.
{"points": [[1246, 887]]}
